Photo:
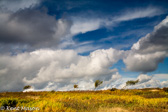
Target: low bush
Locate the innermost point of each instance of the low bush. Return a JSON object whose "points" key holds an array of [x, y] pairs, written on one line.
{"points": [[52, 91], [113, 89], [9, 102], [165, 89]]}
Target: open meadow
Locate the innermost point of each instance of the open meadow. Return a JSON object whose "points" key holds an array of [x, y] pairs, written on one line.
{"points": [[146, 100]]}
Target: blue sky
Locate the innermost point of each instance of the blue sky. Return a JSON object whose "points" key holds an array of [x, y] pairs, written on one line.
{"points": [[121, 35], [83, 40]]}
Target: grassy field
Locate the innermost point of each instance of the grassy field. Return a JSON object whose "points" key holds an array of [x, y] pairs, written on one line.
{"points": [[154, 100]]}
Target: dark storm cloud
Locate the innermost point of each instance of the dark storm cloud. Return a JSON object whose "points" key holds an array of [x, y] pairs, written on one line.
{"points": [[32, 27], [150, 50], [155, 41]]}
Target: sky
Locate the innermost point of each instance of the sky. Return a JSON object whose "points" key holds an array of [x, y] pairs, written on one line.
{"points": [[54, 44]]}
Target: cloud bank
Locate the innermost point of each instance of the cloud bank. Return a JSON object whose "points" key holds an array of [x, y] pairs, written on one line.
{"points": [[64, 67], [48, 70]]}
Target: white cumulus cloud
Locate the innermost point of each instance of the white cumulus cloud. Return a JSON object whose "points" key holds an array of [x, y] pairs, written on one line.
{"points": [[60, 67]]}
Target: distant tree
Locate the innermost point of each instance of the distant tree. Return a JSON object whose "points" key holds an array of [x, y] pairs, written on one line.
{"points": [[97, 83], [27, 87], [131, 82], [75, 86]]}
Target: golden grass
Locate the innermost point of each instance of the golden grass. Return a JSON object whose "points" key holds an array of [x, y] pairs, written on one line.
{"points": [[90, 101], [114, 109]]}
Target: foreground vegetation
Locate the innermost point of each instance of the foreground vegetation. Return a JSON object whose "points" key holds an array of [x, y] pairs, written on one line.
{"points": [[154, 100]]}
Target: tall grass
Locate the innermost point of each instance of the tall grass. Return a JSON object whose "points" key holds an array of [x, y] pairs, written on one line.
{"points": [[89, 101]]}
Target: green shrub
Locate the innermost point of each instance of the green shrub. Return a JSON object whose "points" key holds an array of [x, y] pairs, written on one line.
{"points": [[165, 89], [9, 102], [52, 91], [113, 89]]}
